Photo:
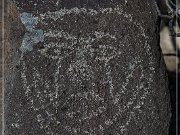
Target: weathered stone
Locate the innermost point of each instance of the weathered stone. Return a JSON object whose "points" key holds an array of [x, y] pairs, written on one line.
{"points": [[1, 101], [169, 49], [0, 84], [12, 31], [96, 70]]}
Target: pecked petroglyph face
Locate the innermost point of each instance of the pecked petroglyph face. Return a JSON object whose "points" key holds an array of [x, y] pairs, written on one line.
{"points": [[81, 72]]}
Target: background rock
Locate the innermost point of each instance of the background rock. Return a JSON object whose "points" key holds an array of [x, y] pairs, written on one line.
{"points": [[170, 48], [1, 101], [13, 31]]}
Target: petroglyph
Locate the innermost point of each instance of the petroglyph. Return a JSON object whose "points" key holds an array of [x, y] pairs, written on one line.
{"points": [[61, 13], [87, 101]]}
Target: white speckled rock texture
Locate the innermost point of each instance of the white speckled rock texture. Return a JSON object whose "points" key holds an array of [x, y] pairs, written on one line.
{"points": [[97, 70]]}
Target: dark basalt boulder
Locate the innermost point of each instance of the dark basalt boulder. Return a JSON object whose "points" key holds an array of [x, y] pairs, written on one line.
{"points": [[97, 69]]}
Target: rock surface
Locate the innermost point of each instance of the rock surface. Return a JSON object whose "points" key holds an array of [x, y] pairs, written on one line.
{"points": [[12, 31], [1, 101], [95, 70], [169, 49]]}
